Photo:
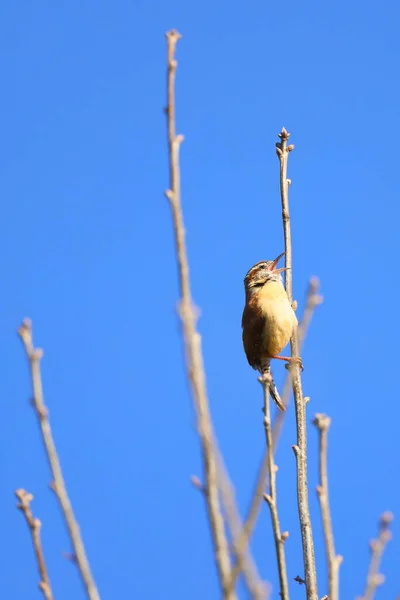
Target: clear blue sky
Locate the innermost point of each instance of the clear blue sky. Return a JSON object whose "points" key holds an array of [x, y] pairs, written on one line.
{"points": [[87, 252]]}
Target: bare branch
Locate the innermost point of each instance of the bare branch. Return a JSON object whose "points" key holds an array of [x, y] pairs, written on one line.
{"points": [[58, 484], [192, 338], [272, 498], [374, 578], [215, 476], [257, 588], [313, 300], [322, 423], [283, 150], [35, 525]]}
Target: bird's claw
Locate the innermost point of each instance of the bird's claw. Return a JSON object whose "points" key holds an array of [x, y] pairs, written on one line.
{"points": [[297, 361]]}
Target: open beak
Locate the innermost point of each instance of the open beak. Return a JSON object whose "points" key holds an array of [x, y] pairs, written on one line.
{"points": [[272, 267]]}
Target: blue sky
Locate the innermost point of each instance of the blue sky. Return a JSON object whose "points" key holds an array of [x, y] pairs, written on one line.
{"points": [[88, 254]]}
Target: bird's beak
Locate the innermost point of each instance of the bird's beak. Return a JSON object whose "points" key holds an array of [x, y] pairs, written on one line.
{"points": [[272, 267]]}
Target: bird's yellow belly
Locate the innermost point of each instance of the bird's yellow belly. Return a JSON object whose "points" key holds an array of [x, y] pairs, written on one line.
{"points": [[280, 319], [276, 337]]}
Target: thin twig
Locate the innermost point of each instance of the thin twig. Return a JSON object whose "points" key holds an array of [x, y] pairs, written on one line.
{"points": [[258, 589], [217, 474], [35, 525], [272, 497], [374, 578], [313, 300], [58, 484], [300, 449], [192, 338], [322, 423]]}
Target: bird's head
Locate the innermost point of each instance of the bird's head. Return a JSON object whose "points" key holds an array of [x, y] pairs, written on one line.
{"points": [[263, 272]]}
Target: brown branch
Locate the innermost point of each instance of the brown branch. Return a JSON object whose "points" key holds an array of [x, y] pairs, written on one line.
{"points": [[257, 588], [272, 498], [216, 475], [35, 525], [313, 300], [192, 339], [322, 423], [58, 484], [300, 449], [374, 578]]}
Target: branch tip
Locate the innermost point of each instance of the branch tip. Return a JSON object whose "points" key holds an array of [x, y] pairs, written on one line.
{"points": [[34, 355], [284, 134], [385, 519], [377, 546], [216, 480], [322, 422], [34, 524], [173, 35]]}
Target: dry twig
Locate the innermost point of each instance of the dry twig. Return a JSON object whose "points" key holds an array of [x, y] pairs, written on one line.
{"points": [[35, 525], [374, 578], [300, 449], [257, 588], [192, 337], [313, 300], [216, 476], [322, 423], [272, 498], [58, 484]]}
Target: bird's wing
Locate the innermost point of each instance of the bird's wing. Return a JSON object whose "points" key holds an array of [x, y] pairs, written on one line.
{"points": [[253, 327]]}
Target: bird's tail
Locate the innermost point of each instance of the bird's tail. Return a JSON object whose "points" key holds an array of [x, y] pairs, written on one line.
{"points": [[276, 397]]}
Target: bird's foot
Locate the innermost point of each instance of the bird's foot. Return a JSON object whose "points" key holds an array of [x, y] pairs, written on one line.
{"points": [[297, 361], [291, 360]]}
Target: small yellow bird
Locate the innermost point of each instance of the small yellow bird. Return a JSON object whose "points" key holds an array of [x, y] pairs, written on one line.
{"points": [[268, 319]]}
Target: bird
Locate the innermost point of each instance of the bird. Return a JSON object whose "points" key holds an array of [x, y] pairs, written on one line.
{"points": [[268, 320]]}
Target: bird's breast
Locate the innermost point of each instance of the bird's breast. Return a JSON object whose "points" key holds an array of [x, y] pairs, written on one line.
{"points": [[279, 316]]}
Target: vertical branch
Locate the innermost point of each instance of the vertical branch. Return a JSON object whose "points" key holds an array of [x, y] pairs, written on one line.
{"points": [[258, 589], [34, 525], [374, 578], [58, 484], [322, 423], [272, 498], [313, 300], [300, 449], [192, 339]]}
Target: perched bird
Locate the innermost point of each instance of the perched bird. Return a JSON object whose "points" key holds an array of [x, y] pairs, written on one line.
{"points": [[268, 319]]}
